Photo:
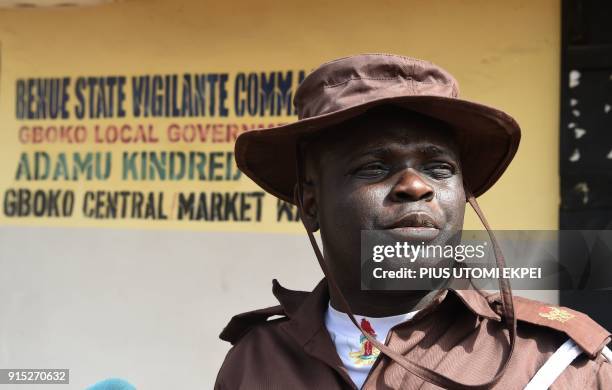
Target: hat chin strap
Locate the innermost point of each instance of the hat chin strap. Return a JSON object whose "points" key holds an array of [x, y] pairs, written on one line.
{"points": [[424, 373]]}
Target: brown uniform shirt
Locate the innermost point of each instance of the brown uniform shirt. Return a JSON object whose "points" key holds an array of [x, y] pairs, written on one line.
{"points": [[459, 334]]}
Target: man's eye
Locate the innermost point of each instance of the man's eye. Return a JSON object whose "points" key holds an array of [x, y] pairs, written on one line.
{"points": [[440, 170], [371, 170]]}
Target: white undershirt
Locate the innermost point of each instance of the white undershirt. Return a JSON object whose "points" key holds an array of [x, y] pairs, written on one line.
{"points": [[352, 347]]}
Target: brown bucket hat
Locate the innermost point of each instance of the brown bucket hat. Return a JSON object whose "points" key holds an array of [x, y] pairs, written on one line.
{"points": [[344, 88]]}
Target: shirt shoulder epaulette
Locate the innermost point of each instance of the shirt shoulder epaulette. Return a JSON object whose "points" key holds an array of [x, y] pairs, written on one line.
{"points": [[586, 333], [241, 323]]}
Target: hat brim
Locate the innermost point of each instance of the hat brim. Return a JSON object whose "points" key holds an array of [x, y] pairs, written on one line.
{"points": [[489, 139]]}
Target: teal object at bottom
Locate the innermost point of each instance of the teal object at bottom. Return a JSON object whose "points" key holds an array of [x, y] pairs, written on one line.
{"points": [[112, 384]]}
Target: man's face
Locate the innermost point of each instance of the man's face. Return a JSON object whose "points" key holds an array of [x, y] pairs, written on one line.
{"points": [[395, 173]]}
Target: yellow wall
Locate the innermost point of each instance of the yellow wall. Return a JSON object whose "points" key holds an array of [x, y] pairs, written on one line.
{"points": [[504, 53]]}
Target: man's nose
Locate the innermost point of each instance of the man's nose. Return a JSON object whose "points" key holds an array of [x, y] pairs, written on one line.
{"points": [[411, 186]]}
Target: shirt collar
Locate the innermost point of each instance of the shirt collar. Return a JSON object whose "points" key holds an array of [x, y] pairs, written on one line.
{"points": [[306, 311], [478, 303], [306, 324]]}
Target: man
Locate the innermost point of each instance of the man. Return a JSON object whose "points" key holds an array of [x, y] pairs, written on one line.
{"points": [[384, 144]]}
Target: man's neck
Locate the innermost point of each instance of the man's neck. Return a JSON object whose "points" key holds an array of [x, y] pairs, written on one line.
{"points": [[381, 303]]}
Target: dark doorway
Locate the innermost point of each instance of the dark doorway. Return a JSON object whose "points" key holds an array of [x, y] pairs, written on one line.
{"points": [[586, 139]]}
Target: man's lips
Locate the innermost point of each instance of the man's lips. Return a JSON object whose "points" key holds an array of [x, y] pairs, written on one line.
{"points": [[415, 226], [414, 220]]}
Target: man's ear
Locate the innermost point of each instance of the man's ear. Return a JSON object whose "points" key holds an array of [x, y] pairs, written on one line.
{"points": [[311, 210]]}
